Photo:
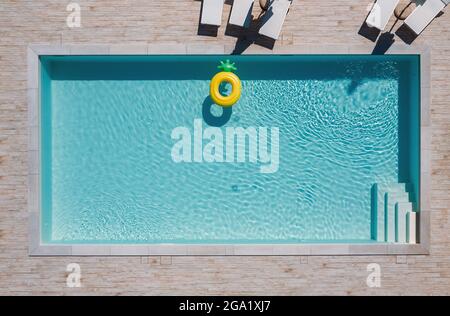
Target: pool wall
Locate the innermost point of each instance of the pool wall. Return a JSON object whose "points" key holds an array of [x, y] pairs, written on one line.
{"points": [[421, 192]]}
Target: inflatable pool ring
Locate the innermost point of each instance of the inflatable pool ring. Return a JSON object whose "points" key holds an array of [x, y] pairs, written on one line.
{"points": [[226, 75]]}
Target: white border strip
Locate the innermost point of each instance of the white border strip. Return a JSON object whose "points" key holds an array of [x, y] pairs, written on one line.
{"points": [[36, 248]]}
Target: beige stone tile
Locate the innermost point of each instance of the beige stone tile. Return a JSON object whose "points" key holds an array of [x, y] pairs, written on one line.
{"points": [[88, 49], [425, 191], [129, 250], [217, 275], [425, 69], [425, 138], [33, 107], [257, 250], [174, 250], [291, 250], [368, 249], [50, 49], [206, 250], [425, 225], [166, 49], [33, 193], [165, 260], [407, 249], [401, 49], [32, 69], [129, 49], [33, 138], [33, 231], [425, 161], [52, 251], [291, 50], [91, 250], [33, 162], [328, 49], [361, 49], [208, 49], [401, 260], [425, 101]]}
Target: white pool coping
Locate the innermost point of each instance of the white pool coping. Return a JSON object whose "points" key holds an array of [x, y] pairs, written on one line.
{"points": [[37, 248]]}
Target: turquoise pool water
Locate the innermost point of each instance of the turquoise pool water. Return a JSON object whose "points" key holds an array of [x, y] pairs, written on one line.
{"points": [[114, 129]]}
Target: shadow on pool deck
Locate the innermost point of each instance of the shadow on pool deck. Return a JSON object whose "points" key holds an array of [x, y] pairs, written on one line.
{"points": [[248, 36], [383, 43], [406, 34]]}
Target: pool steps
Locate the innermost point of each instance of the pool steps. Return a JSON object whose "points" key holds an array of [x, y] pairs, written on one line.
{"points": [[393, 217]]}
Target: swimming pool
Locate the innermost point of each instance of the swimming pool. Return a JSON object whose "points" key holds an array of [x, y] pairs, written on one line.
{"points": [[116, 132]]}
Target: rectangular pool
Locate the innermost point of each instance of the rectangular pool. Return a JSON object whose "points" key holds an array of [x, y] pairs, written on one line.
{"points": [[134, 151]]}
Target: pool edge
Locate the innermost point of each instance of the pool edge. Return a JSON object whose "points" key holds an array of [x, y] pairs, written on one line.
{"points": [[37, 248]]}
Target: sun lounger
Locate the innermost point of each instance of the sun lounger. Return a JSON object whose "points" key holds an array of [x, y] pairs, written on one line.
{"points": [[212, 12], [274, 18], [241, 13], [381, 12], [418, 20]]}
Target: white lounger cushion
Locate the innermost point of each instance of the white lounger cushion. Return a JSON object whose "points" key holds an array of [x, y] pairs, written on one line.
{"points": [[424, 14], [381, 12], [241, 12], [274, 18], [212, 12]]}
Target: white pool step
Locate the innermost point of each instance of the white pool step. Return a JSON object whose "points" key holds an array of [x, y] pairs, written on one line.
{"points": [[401, 211], [393, 214], [411, 227]]}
